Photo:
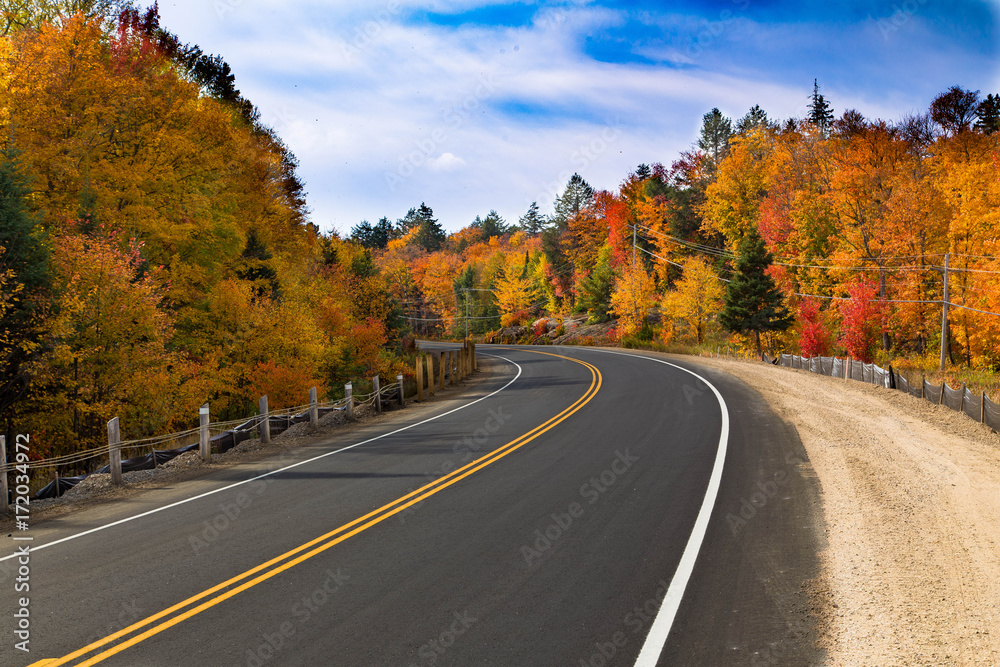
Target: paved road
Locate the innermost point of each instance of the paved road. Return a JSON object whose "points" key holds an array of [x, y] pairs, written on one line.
{"points": [[539, 520]]}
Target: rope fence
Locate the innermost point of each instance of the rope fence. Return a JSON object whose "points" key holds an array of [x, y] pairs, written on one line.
{"points": [[220, 437]]}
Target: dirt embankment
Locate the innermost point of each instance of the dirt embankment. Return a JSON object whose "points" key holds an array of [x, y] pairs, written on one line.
{"points": [[911, 498]]}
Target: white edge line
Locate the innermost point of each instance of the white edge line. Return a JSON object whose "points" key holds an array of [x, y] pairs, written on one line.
{"points": [[656, 640], [275, 472]]}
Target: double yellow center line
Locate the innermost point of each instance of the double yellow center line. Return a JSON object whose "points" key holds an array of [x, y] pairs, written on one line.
{"points": [[196, 604]]}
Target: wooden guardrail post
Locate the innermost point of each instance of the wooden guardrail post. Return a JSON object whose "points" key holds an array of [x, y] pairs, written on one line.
{"points": [[419, 368], [402, 397], [441, 364], [451, 366], [429, 360], [265, 421], [4, 492], [115, 451], [475, 359], [314, 407], [378, 395], [349, 398], [203, 440]]}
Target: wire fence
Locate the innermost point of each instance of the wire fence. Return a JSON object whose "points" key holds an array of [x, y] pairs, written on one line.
{"points": [[976, 406], [157, 450]]}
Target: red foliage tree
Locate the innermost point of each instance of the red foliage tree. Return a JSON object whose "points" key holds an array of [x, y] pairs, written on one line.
{"points": [[815, 340], [863, 320]]}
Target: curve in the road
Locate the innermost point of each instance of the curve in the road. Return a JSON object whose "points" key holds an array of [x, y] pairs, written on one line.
{"points": [[289, 559]]}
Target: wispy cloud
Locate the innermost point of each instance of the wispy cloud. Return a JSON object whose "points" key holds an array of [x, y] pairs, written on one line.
{"points": [[471, 105]]}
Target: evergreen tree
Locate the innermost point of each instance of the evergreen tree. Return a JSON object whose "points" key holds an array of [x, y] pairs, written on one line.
{"points": [[26, 256], [532, 222], [362, 234], [988, 114], [643, 172], [820, 111], [755, 118], [255, 267], [430, 236], [577, 196], [493, 225], [716, 130], [753, 302], [596, 288]]}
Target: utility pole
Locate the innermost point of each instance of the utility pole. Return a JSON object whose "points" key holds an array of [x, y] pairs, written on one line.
{"points": [[944, 314], [633, 245]]}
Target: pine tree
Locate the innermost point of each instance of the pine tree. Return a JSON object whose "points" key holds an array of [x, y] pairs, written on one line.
{"points": [[532, 222], [988, 114], [716, 130], [24, 258], [577, 196], [820, 111], [430, 236], [756, 118], [753, 302], [493, 225]]}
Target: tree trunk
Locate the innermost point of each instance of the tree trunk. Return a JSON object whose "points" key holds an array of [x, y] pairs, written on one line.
{"points": [[756, 335]]}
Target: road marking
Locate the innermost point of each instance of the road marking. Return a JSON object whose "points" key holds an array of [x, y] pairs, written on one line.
{"points": [[656, 640], [286, 561], [272, 472]]}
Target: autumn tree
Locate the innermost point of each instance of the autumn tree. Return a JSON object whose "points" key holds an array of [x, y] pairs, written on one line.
{"points": [[753, 303], [863, 320], [696, 300], [631, 300], [955, 109]]}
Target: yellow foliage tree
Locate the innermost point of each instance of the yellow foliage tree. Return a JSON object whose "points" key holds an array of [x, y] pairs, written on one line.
{"points": [[513, 290], [631, 299], [697, 299]]}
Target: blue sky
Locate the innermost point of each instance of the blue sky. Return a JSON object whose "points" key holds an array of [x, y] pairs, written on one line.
{"points": [[471, 106]]}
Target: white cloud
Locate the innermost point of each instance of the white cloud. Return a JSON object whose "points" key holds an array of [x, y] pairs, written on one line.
{"points": [[445, 162]]}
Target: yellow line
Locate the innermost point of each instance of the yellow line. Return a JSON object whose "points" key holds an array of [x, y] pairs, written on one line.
{"points": [[380, 514]]}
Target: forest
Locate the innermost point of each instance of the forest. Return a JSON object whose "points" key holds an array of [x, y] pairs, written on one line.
{"points": [[156, 250]]}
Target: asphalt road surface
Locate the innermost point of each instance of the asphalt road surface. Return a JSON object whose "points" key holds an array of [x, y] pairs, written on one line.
{"points": [[576, 507]]}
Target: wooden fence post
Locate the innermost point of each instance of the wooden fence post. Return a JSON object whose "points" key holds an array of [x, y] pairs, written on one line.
{"points": [[922, 380], [941, 397], [378, 395], [265, 421], [115, 451], [4, 493], [451, 367], [441, 363], [982, 409], [430, 374], [349, 398], [475, 359], [419, 372], [961, 400], [203, 439], [847, 372], [402, 397], [314, 407]]}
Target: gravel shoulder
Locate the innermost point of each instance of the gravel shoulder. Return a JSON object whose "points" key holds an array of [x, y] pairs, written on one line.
{"points": [[911, 505]]}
